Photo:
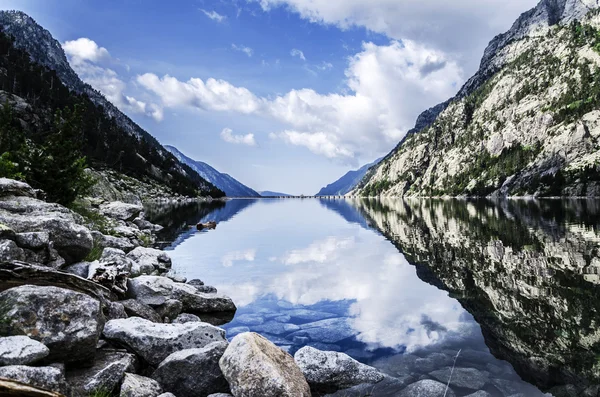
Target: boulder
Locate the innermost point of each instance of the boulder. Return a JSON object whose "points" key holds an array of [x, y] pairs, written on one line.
{"points": [[169, 310], [156, 290], [331, 371], [121, 211], [105, 241], [10, 187], [10, 251], [33, 240], [150, 257], [139, 386], [426, 388], [115, 310], [72, 241], [176, 277], [110, 277], [134, 308], [186, 318], [220, 395], [67, 322], [80, 269], [331, 330], [154, 342], [21, 350], [388, 387], [253, 366], [167, 395], [116, 257], [481, 393], [173, 372], [467, 378], [47, 378], [106, 373]]}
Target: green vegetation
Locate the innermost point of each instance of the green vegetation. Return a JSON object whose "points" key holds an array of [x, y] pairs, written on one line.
{"points": [[93, 219], [375, 189], [101, 393], [94, 254]]}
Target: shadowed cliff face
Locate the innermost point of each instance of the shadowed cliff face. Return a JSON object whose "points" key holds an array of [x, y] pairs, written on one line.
{"points": [[526, 270]]}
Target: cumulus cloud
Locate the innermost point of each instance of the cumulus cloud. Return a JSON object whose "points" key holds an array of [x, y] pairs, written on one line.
{"points": [[459, 27], [297, 53], [246, 50], [228, 136], [387, 87], [319, 251], [215, 16], [235, 256], [89, 61]]}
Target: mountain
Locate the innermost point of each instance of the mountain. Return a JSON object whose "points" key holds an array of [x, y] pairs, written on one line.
{"points": [[527, 123], [37, 76], [226, 183], [268, 193], [347, 182]]}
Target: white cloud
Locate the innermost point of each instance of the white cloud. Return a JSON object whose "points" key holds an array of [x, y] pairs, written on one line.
{"points": [[87, 58], [325, 66], [460, 27], [387, 87], [84, 49], [246, 50], [319, 251], [215, 16], [297, 53], [235, 256], [228, 136]]}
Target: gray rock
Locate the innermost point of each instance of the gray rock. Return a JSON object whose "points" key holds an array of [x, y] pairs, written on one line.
{"points": [[276, 328], [249, 319], [21, 350], [134, 308], [105, 241], [253, 366], [150, 257], [330, 371], [170, 309], [167, 395], [140, 386], [121, 211], [176, 277], [565, 391], [480, 393], [433, 362], [388, 387], [154, 342], [47, 378], [10, 187], [237, 330], [72, 241], [67, 322], [33, 240], [326, 331], [115, 310], [309, 315], [196, 282], [106, 373], [10, 251], [426, 388], [156, 290], [116, 257], [80, 269], [220, 395], [173, 372], [507, 387], [186, 318], [207, 289], [468, 378]]}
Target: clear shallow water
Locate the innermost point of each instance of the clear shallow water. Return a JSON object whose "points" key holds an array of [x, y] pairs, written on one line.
{"points": [[403, 286]]}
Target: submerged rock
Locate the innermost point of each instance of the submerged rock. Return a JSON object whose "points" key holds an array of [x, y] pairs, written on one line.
{"points": [[47, 378], [330, 371], [140, 386], [21, 350], [253, 366], [154, 342], [67, 322], [426, 388], [468, 378], [174, 372]]}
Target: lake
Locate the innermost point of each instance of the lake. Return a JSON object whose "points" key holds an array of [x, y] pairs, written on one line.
{"points": [[508, 289]]}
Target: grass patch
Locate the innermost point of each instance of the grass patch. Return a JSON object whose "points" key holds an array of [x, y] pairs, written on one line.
{"points": [[94, 254], [93, 219]]}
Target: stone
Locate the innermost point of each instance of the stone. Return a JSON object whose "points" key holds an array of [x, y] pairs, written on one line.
{"points": [[47, 378], [71, 240], [80, 269], [154, 342], [468, 378], [150, 257], [11, 187], [156, 290], [106, 374], [249, 319], [170, 309], [220, 395], [186, 318], [10, 251], [330, 330], [115, 310], [21, 350], [173, 372], [116, 257], [565, 391], [275, 328], [176, 277], [331, 371], [67, 322], [33, 240], [309, 315], [168, 395], [507, 387], [139, 386], [480, 393], [121, 211], [388, 387], [237, 330], [104, 241], [426, 388], [253, 366], [134, 308]]}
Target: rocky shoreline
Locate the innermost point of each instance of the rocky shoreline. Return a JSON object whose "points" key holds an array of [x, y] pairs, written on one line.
{"points": [[86, 312]]}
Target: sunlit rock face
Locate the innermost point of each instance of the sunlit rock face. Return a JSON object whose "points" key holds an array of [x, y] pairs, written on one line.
{"points": [[526, 270]]}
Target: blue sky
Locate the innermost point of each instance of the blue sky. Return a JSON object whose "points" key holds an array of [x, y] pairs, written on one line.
{"points": [[284, 95]]}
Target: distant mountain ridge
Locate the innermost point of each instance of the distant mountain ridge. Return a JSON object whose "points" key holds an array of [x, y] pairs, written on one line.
{"points": [[268, 193], [225, 182], [115, 141], [347, 182]]}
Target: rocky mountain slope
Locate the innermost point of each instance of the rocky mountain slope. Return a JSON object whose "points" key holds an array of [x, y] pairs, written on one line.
{"points": [[36, 72], [525, 124], [228, 184], [347, 182]]}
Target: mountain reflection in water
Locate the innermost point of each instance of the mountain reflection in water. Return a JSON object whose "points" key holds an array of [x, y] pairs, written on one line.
{"points": [[511, 284]]}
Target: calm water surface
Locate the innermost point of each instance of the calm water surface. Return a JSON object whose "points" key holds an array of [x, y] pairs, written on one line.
{"points": [[405, 285]]}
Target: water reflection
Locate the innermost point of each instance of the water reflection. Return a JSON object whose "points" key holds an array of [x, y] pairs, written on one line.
{"points": [[518, 278]]}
